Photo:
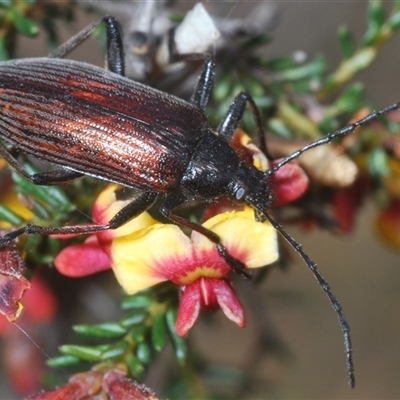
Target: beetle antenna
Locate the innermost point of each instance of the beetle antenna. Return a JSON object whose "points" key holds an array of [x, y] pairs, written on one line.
{"points": [[325, 286], [328, 138]]}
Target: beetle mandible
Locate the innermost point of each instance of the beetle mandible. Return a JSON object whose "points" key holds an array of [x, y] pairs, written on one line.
{"points": [[91, 121]]}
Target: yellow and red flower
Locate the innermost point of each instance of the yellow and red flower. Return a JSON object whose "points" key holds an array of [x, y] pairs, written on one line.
{"points": [[162, 252], [145, 252]]}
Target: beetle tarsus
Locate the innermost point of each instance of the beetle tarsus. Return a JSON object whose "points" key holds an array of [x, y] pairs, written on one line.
{"points": [[10, 236], [237, 266]]}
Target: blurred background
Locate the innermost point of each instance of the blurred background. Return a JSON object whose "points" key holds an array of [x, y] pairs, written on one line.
{"points": [[362, 272]]}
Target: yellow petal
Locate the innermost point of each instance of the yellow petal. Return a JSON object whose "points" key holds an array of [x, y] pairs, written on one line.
{"points": [[107, 205], [149, 256], [260, 161], [10, 199], [141, 221], [254, 243]]}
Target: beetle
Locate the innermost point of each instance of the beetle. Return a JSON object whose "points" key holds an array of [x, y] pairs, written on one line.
{"points": [[92, 121]]}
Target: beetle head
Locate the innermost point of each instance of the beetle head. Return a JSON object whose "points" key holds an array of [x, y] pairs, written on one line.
{"points": [[216, 170], [251, 186]]}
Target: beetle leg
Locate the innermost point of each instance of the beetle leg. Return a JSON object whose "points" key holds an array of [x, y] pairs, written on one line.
{"points": [[133, 209], [115, 49], [56, 177], [205, 83], [206, 80], [177, 199], [232, 118], [130, 211]]}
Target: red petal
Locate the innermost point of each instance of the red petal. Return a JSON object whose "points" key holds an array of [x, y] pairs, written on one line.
{"points": [[208, 293], [344, 209], [288, 183], [40, 302], [5, 324], [189, 308], [228, 302], [82, 259], [388, 224], [23, 363], [346, 202]]}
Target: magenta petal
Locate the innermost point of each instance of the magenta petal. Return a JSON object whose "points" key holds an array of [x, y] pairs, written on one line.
{"points": [[228, 302], [82, 259], [289, 183], [189, 308]]}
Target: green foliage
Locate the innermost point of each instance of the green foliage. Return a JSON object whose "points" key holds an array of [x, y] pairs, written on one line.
{"points": [[142, 332]]}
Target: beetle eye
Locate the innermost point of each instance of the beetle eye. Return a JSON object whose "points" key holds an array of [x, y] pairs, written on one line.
{"points": [[239, 193]]}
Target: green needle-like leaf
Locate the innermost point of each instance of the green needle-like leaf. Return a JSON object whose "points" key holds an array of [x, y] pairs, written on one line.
{"points": [[115, 350], [88, 353], [180, 344], [25, 25], [143, 353], [346, 41], [133, 319], [159, 332], [10, 216], [63, 361], [104, 330], [137, 301]]}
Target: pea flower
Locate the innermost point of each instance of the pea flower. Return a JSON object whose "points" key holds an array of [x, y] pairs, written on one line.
{"points": [[162, 252], [145, 252]]}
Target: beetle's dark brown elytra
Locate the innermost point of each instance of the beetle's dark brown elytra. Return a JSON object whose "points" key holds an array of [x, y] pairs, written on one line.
{"points": [[91, 121]]}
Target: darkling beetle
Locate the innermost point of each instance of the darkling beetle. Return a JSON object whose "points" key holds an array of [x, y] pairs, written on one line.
{"points": [[91, 121]]}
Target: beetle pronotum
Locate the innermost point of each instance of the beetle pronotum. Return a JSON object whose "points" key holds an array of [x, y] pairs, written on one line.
{"points": [[90, 121]]}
